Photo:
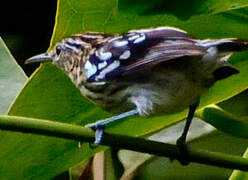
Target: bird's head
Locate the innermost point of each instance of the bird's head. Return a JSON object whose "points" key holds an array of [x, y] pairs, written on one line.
{"points": [[71, 52], [67, 54]]}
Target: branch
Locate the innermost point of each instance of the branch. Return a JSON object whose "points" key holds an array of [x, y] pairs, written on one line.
{"points": [[79, 133]]}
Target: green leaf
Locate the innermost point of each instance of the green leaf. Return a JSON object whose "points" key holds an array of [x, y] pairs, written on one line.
{"points": [[225, 121], [49, 94], [113, 16], [181, 9], [81, 170], [12, 78], [236, 105]]}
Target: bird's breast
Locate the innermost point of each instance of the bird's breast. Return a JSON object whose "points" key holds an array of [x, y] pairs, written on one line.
{"points": [[112, 97]]}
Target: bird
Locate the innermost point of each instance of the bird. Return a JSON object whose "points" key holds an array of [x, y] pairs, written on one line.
{"points": [[143, 72]]}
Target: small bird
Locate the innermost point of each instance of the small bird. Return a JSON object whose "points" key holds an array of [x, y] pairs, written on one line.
{"points": [[146, 72]]}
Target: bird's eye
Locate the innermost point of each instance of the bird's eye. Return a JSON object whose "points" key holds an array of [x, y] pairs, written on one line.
{"points": [[58, 50]]}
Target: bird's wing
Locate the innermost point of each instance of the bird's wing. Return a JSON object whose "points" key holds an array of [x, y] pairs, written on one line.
{"points": [[140, 48]]}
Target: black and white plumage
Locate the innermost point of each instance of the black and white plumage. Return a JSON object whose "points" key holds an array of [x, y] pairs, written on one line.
{"points": [[136, 49], [157, 71]]}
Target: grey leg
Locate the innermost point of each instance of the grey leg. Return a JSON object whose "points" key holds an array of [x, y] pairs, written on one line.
{"points": [[99, 125], [181, 141]]}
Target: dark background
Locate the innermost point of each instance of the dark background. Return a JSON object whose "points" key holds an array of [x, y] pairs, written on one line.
{"points": [[26, 28]]}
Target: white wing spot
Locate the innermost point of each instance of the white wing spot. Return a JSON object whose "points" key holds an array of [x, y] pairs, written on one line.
{"points": [[102, 65], [140, 39], [90, 68], [125, 55], [108, 69], [99, 83], [120, 43], [103, 55], [133, 37]]}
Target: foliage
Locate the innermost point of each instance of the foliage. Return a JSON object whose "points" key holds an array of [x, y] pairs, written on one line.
{"points": [[49, 94], [12, 78]]}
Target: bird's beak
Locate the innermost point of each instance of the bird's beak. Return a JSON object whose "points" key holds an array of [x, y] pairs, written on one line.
{"points": [[45, 57]]}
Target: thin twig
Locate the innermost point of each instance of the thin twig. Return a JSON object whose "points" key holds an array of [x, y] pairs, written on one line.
{"points": [[79, 133]]}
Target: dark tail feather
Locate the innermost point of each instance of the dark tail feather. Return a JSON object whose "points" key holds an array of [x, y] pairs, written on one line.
{"points": [[232, 45], [224, 72], [226, 46]]}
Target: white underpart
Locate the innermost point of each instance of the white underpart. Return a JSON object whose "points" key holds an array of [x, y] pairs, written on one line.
{"points": [[143, 106], [90, 68], [102, 65], [103, 55], [125, 55], [140, 39], [108, 69], [159, 29], [120, 43], [212, 54], [143, 99]]}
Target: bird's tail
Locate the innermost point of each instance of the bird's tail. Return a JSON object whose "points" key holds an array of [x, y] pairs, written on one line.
{"points": [[226, 45]]}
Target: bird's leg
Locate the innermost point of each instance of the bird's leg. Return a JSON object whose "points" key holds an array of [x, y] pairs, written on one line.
{"points": [[181, 141], [99, 125]]}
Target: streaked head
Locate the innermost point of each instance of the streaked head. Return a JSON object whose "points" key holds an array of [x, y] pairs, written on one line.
{"points": [[72, 52], [67, 51]]}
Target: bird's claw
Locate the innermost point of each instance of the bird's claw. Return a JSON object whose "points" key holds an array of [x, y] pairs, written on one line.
{"points": [[95, 126], [98, 128], [183, 150], [99, 125], [98, 136]]}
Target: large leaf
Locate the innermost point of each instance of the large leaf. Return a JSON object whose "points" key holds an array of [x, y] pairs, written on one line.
{"points": [[237, 105], [113, 16], [180, 9], [12, 78]]}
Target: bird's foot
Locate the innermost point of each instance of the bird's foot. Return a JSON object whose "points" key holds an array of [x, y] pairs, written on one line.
{"points": [[183, 150], [99, 125], [98, 128]]}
